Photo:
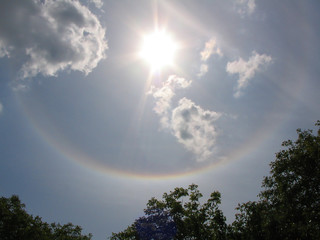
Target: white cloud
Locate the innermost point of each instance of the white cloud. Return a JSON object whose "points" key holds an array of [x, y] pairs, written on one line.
{"points": [[194, 128], [247, 70], [97, 3], [46, 37], [189, 123], [209, 49], [3, 50], [1, 107], [203, 69], [164, 96], [245, 7]]}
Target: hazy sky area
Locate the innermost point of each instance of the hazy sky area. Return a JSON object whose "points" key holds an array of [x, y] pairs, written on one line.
{"points": [[90, 130]]}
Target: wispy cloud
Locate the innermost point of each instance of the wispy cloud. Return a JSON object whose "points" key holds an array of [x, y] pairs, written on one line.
{"points": [[97, 3], [245, 7], [194, 128], [203, 69], [247, 69], [164, 97], [189, 123], [209, 49], [46, 37]]}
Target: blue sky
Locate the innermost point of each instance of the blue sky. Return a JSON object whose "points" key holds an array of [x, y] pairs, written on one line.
{"points": [[89, 132]]}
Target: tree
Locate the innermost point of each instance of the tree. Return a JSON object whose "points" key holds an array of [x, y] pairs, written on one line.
{"points": [[289, 205], [16, 223], [248, 222], [179, 215], [158, 224]]}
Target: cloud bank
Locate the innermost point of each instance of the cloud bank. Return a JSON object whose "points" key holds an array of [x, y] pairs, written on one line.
{"points": [[209, 49], [192, 126], [247, 70], [46, 37]]}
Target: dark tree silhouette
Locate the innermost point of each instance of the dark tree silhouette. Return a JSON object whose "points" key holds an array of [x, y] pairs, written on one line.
{"points": [[179, 215], [17, 224], [288, 208], [289, 205], [157, 224]]}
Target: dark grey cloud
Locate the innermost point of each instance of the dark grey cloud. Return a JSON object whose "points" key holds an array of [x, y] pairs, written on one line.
{"points": [[49, 36]]}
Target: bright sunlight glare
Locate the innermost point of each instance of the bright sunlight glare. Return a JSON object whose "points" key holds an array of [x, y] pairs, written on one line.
{"points": [[158, 50]]}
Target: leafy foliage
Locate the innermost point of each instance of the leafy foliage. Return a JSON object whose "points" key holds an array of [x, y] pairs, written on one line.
{"points": [[157, 225], [288, 206], [179, 215], [16, 223]]}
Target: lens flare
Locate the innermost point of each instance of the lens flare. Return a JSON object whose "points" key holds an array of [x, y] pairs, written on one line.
{"points": [[158, 49]]}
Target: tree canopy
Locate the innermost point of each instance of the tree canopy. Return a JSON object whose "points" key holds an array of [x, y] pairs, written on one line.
{"points": [[288, 208], [17, 224], [288, 205], [179, 215]]}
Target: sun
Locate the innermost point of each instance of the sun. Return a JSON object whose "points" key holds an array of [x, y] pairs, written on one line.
{"points": [[158, 50]]}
